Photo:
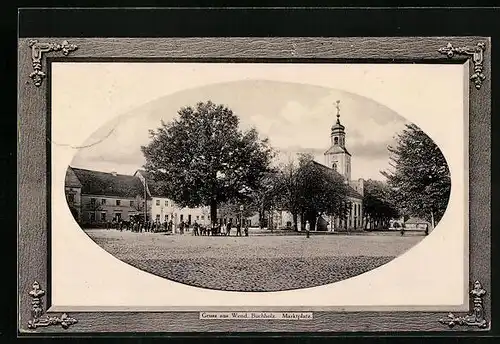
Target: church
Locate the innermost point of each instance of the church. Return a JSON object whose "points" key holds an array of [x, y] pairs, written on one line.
{"points": [[338, 159]]}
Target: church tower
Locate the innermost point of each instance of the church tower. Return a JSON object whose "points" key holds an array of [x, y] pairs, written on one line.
{"points": [[337, 157]]}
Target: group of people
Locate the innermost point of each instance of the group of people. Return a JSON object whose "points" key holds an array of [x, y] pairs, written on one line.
{"points": [[139, 226], [220, 229]]}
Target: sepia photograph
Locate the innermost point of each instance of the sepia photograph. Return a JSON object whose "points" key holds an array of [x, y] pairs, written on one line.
{"points": [[258, 185]]}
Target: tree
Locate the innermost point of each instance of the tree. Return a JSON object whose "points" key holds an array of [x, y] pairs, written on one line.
{"points": [[139, 205], [320, 190], [202, 158], [379, 204], [286, 193], [232, 209], [421, 177], [264, 198]]}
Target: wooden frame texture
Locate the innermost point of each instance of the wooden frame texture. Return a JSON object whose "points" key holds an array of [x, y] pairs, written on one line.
{"points": [[35, 56]]}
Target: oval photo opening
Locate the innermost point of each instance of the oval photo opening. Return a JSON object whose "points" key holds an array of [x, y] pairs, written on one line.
{"points": [[258, 186]]}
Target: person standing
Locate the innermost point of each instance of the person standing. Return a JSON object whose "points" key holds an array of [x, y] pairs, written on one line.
{"points": [[228, 228], [246, 228], [238, 228], [308, 229]]}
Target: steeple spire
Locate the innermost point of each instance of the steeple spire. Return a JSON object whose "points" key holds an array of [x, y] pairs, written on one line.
{"points": [[338, 111]]}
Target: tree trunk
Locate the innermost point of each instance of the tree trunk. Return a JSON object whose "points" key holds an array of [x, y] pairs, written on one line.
{"points": [[302, 220], [432, 219], [213, 211], [295, 216], [261, 215]]}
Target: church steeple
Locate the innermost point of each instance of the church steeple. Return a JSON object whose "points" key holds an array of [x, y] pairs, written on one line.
{"points": [[338, 130], [337, 156], [338, 111]]}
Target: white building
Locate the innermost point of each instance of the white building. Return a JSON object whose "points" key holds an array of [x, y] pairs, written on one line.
{"points": [[338, 159], [163, 209]]}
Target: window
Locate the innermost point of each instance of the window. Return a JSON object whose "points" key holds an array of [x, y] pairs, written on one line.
{"points": [[71, 198], [182, 217], [166, 217], [92, 201], [157, 202], [103, 217], [103, 201], [336, 140], [202, 217], [158, 217], [334, 166], [92, 217], [166, 203], [118, 202], [197, 217], [118, 216]]}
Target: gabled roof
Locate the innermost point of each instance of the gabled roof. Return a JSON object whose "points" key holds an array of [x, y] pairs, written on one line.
{"points": [[109, 184], [336, 149], [350, 190], [353, 193], [416, 220], [71, 180]]}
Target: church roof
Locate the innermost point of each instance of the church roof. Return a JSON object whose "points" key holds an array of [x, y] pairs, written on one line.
{"points": [[108, 184], [338, 126], [336, 149], [351, 192]]}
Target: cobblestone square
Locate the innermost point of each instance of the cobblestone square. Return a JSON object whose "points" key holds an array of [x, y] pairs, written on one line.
{"points": [[258, 262]]}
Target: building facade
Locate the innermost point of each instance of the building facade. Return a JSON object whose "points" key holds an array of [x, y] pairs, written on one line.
{"points": [[337, 159], [73, 191], [164, 209], [104, 196]]}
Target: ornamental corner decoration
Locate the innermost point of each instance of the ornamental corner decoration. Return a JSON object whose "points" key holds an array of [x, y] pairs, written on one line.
{"points": [[476, 317], [43, 320], [37, 50], [476, 53]]}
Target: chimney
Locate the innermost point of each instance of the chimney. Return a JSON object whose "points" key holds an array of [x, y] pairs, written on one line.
{"points": [[113, 173]]}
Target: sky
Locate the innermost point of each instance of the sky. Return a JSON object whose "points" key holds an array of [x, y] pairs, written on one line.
{"points": [[295, 117]]}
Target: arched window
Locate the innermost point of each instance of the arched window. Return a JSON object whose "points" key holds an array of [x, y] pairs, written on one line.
{"points": [[334, 166], [336, 140]]}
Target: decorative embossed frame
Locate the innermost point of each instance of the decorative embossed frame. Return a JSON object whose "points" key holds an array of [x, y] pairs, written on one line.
{"points": [[34, 199]]}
